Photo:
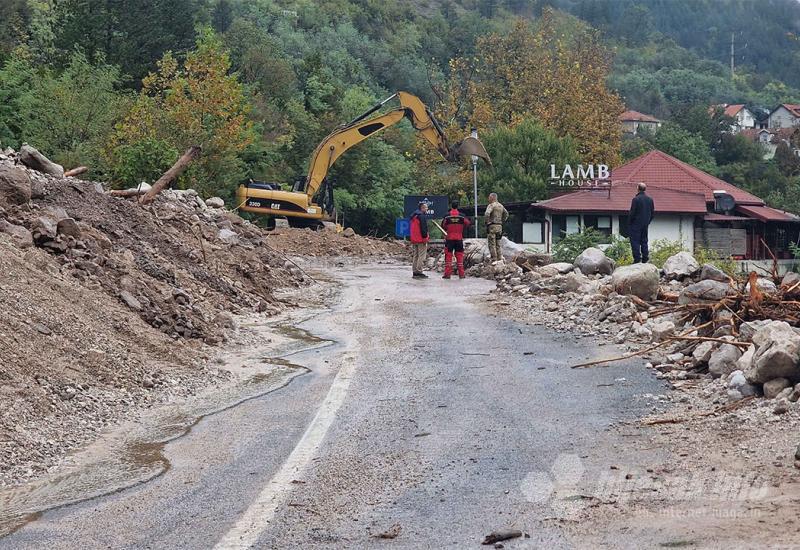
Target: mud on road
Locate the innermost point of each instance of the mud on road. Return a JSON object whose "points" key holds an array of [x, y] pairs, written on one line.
{"points": [[427, 417]]}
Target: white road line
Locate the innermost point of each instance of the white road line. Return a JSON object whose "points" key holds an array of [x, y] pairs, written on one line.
{"points": [[256, 518]]}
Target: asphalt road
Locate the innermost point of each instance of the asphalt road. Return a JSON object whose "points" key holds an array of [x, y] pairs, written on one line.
{"points": [[430, 419]]}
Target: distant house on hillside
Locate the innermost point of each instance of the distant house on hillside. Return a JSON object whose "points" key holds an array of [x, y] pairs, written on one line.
{"points": [[743, 117], [785, 115], [632, 121], [691, 206], [769, 139]]}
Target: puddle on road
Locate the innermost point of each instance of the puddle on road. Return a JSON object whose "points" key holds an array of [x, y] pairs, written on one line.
{"points": [[133, 453]]}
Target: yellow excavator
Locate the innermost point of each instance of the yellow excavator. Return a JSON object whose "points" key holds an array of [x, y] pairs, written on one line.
{"points": [[310, 202]]}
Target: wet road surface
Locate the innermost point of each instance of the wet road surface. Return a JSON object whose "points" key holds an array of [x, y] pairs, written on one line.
{"points": [[427, 418]]}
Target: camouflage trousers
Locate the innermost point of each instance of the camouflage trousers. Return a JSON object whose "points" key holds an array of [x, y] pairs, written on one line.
{"points": [[494, 233]]}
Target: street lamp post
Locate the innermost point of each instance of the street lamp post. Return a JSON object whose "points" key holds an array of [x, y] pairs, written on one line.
{"points": [[475, 182]]}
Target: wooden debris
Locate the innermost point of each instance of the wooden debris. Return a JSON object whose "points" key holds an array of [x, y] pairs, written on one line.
{"points": [[678, 419], [501, 535], [76, 171], [170, 175]]}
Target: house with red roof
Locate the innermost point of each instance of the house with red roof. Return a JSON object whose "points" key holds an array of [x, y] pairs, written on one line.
{"points": [[785, 115], [742, 116], [770, 138], [632, 121], [691, 206]]}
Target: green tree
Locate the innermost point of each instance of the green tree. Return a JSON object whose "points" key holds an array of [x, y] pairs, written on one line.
{"points": [[69, 115], [788, 163], [198, 103], [521, 158], [686, 146]]}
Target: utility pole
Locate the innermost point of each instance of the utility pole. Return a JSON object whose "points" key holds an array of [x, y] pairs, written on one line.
{"points": [[474, 134], [732, 57]]}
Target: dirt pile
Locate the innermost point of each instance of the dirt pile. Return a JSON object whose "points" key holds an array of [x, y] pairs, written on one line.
{"points": [[327, 242], [106, 305]]}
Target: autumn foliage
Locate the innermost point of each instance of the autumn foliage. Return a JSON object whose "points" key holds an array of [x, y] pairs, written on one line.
{"points": [[550, 72], [198, 103]]}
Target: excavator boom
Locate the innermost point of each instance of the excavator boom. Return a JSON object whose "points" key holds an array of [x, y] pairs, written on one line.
{"points": [[265, 198]]}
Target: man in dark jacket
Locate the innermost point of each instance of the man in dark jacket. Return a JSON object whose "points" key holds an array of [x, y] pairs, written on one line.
{"points": [[639, 219], [419, 241], [454, 224]]}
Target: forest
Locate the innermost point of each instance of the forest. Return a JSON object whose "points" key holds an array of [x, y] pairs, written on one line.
{"points": [[124, 88]]}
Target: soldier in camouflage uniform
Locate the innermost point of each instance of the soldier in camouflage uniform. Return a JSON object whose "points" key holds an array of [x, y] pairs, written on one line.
{"points": [[496, 215]]}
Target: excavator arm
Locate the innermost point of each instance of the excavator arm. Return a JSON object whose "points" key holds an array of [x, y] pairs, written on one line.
{"points": [[298, 205], [356, 131]]}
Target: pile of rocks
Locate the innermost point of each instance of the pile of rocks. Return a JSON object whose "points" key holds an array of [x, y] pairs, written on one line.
{"points": [[697, 339], [180, 265]]}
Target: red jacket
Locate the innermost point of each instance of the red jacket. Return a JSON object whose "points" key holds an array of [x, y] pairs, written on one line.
{"points": [[419, 228], [455, 224]]}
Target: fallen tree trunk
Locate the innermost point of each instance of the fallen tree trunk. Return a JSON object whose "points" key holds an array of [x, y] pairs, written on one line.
{"points": [[170, 175], [76, 171], [125, 193]]}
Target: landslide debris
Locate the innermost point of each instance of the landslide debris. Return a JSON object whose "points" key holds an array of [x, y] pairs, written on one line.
{"points": [[107, 306]]}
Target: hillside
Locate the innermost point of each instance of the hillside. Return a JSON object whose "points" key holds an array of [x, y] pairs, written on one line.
{"points": [[123, 89]]}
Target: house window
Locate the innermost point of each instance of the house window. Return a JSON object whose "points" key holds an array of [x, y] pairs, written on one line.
{"points": [[565, 225], [601, 224], [532, 232]]}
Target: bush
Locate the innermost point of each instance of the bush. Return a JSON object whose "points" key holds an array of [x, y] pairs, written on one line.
{"points": [[620, 250], [568, 248], [662, 249]]}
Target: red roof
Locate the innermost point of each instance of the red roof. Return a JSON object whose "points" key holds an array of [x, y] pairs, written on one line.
{"points": [[732, 110], [659, 170], [792, 108], [767, 214], [617, 198], [635, 116]]}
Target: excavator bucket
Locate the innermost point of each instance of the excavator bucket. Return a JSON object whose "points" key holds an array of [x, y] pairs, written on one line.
{"points": [[471, 146]]}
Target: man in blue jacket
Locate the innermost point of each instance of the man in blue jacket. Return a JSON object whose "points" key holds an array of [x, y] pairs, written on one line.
{"points": [[639, 219]]}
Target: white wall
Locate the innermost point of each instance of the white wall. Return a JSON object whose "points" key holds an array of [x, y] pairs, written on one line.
{"points": [[782, 118], [746, 119], [673, 227]]}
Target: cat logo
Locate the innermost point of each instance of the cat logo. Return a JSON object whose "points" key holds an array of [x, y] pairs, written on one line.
{"points": [[275, 206]]}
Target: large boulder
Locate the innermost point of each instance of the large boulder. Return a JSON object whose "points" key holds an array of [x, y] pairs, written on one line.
{"points": [[764, 285], [702, 353], [791, 283], [510, 250], [662, 330], [723, 361], [713, 273], [562, 267], [478, 250], [19, 235], [15, 186], [748, 329], [32, 158], [638, 280], [705, 291], [593, 260], [777, 353], [775, 386], [681, 265], [738, 382], [572, 282]]}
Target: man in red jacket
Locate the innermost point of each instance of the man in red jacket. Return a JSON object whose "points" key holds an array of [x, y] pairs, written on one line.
{"points": [[454, 224], [419, 241]]}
